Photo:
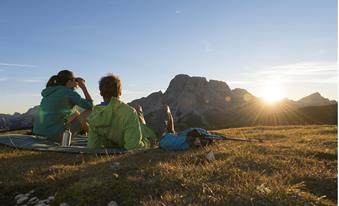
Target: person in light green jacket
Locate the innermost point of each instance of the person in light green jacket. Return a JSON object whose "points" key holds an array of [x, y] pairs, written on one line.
{"points": [[114, 123]]}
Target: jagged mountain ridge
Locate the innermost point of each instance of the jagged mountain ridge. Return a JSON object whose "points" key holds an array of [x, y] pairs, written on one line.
{"points": [[197, 102], [315, 99], [17, 120], [193, 101]]}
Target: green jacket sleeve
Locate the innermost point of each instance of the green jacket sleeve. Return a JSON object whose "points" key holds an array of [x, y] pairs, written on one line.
{"points": [[132, 132], [81, 102]]}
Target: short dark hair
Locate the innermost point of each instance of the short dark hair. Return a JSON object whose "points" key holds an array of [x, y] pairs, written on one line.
{"points": [[110, 86]]}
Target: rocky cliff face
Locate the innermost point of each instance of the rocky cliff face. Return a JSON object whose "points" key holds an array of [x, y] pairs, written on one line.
{"points": [[196, 102]]}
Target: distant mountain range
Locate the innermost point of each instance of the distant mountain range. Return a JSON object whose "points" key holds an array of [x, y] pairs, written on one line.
{"points": [[17, 120], [196, 102], [315, 99]]}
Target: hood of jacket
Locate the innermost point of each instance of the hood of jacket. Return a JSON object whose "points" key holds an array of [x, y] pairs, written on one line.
{"points": [[52, 89]]}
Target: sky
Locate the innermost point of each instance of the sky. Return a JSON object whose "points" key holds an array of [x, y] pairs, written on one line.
{"points": [[251, 44]]}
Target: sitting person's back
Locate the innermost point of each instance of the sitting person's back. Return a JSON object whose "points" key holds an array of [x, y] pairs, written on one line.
{"points": [[59, 98], [114, 123]]}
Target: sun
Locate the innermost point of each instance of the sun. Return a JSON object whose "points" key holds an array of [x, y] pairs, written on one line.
{"points": [[272, 92]]}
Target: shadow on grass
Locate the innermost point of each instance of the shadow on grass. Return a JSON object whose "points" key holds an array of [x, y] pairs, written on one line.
{"points": [[127, 184], [321, 187], [30, 170], [270, 137], [326, 156], [94, 177], [319, 155], [265, 167], [137, 178]]}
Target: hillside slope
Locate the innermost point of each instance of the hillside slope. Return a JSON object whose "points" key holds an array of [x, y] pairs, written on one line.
{"points": [[294, 165]]}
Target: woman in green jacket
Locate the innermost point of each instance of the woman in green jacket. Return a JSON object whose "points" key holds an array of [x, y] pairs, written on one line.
{"points": [[58, 101]]}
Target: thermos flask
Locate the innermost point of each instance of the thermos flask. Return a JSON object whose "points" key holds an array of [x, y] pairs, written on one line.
{"points": [[66, 138]]}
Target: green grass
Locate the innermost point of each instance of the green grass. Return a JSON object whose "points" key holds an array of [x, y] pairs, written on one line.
{"points": [[294, 165]]}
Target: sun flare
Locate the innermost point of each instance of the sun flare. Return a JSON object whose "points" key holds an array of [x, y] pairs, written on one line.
{"points": [[273, 92]]}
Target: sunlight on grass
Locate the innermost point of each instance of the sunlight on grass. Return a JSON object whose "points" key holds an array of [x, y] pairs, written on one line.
{"points": [[294, 165]]}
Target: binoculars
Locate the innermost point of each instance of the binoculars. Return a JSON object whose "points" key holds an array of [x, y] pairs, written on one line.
{"points": [[79, 79]]}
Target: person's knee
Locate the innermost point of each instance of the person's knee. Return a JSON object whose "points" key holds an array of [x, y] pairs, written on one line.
{"points": [[86, 113], [83, 117], [73, 116]]}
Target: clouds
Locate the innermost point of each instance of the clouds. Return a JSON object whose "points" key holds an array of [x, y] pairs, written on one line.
{"points": [[26, 81], [308, 73], [238, 82], [302, 72], [12, 70], [178, 11], [303, 68], [205, 46], [3, 79], [208, 47], [7, 65], [31, 81]]}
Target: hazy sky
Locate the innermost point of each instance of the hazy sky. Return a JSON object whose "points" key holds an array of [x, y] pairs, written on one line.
{"points": [[250, 44]]}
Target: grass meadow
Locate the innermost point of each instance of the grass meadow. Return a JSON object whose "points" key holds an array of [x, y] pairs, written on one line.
{"points": [[292, 165]]}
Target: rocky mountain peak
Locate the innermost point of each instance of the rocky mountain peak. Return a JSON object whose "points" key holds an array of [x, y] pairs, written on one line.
{"points": [[315, 99], [183, 82], [32, 110], [241, 95], [189, 98], [183, 85], [315, 95]]}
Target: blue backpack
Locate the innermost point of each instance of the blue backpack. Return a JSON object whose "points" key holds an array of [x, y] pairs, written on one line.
{"points": [[191, 137]]}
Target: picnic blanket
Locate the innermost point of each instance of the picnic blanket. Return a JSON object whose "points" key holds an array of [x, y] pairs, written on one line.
{"points": [[79, 143], [33, 142]]}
